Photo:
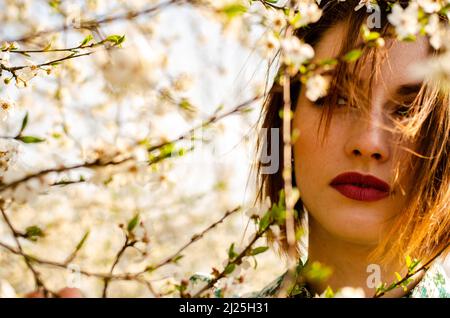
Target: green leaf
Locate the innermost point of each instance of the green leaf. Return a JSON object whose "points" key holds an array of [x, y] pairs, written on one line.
{"points": [[54, 4], [229, 268], [380, 289], [87, 40], [24, 123], [181, 288], [353, 55], [329, 292], [258, 250], [82, 241], [231, 253], [133, 222], [410, 38], [234, 9], [398, 276], [48, 46], [256, 262], [115, 39], [317, 272], [414, 264], [30, 139], [177, 258], [149, 269], [33, 232], [329, 61], [371, 36], [265, 221], [408, 261], [299, 233]]}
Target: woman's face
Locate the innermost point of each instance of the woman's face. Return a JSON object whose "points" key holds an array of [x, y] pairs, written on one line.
{"points": [[355, 143]]}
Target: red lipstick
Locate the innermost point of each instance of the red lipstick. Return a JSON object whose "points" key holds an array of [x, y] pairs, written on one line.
{"points": [[360, 187]]}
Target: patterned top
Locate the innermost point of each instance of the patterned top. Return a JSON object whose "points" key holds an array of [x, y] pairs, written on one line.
{"points": [[434, 284]]}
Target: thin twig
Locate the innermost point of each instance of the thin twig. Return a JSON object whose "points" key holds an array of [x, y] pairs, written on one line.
{"points": [[194, 238], [38, 281], [236, 260], [126, 245], [409, 275], [90, 24], [125, 276]]}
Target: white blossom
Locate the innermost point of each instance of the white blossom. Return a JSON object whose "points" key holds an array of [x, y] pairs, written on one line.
{"points": [[8, 154], [429, 6], [350, 292], [317, 87], [309, 13], [259, 211], [435, 31], [369, 4], [274, 19], [126, 70], [435, 69], [6, 290], [296, 52], [269, 45], [4, 58], [7, 107], [405, 20], [275, 229], [27, 192]]}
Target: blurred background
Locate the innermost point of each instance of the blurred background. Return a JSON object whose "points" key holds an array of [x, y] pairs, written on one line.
{"points": [[180, 64]]}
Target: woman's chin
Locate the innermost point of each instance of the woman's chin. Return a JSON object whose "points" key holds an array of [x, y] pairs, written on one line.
{"points": [[356, 227]]}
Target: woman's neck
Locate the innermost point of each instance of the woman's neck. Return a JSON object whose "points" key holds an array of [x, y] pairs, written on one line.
{"points": [[349, 263]]}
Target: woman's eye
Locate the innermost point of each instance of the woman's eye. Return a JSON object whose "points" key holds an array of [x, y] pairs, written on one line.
{"points": [[340, 101], [402, 111]]}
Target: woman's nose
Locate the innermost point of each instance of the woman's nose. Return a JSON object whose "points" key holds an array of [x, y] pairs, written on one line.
{"points": [[368, 141]]}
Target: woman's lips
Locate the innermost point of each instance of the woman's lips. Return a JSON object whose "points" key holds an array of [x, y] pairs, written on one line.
{"points": [[360, 187]]}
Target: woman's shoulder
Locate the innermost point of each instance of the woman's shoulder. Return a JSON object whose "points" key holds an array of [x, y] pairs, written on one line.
{"points": [[434, 284]]}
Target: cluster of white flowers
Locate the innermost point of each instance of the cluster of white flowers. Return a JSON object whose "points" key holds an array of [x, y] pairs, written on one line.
{"points": [[309, 13], [350, 292], [8, 154], [431, 6], [295, 52], [408, 22], [317, 87], [274, 19], [436, 31], [405, 20], [269, 45], [369, 4], [137, 71], [7, 107], [435, 69], [259, 211], [5, 58], [6, 290]]}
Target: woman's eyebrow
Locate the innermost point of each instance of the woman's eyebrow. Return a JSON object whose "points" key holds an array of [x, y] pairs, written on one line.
{"points": [[409, 89]]}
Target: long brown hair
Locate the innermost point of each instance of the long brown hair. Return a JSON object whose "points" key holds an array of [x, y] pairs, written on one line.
{"points": [[422, 230]]}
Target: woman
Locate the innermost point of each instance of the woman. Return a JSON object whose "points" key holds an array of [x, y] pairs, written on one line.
{"points": [[370, 161]]}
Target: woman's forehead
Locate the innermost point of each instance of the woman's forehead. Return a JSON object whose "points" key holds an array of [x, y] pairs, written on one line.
{"points": [[395, 67]]}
